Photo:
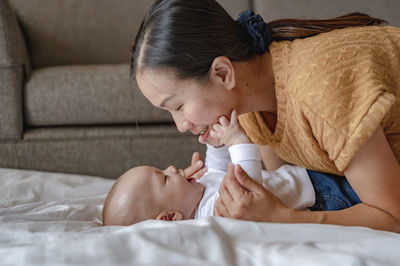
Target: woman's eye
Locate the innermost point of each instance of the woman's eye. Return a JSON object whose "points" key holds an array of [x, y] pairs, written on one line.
{"points": [[166, 178]]}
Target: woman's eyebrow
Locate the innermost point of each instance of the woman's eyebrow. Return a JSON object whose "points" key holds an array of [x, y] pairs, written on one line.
{"points": [[164, 102]]}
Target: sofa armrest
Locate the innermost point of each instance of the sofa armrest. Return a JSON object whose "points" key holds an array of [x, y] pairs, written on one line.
{"points": [[13, 61]]}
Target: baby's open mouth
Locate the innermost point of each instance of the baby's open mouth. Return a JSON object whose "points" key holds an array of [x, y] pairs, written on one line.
{"points": [[190, 179]]}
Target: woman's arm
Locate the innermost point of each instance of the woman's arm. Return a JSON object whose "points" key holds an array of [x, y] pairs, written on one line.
{"points": [[374, 174], [271, 161]]}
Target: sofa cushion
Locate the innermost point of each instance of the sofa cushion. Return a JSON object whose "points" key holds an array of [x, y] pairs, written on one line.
{"points": [[86, 95], [322, 9], [63, 32]]}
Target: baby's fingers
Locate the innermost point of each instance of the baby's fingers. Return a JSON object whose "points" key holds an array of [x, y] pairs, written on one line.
{"points": [[233, 117], [196, 157], [216, 127], [214, 134], [200, 173], [223, 121], [193, 168]]}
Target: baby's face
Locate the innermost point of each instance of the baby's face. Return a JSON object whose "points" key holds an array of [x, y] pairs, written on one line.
{"points": [[169, 189]]}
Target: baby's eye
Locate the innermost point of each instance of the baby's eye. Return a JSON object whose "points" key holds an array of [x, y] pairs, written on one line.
{"points": [[179, 108], [166, 178]]}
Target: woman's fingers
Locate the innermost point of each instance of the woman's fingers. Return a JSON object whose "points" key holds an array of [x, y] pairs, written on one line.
{"points": [[224, 199], [225, 195], [220, 208], [232, 186], [250, 201], [227, 203], [244, 181]]}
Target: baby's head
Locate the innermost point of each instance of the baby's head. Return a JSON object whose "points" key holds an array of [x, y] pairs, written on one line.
{"points": [[146, 192]]}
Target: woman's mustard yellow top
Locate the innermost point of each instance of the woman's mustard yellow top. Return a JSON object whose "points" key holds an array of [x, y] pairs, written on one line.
{"points": [[332, 90]]}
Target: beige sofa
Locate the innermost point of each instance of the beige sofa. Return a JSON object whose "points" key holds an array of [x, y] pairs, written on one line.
{"points": [[66, 101]]}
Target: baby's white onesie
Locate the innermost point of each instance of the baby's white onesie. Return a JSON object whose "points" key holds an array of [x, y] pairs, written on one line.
{"points": [[291, 184]]}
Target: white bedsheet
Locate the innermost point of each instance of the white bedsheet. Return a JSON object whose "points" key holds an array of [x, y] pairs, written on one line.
{"points": [[54, 219]]}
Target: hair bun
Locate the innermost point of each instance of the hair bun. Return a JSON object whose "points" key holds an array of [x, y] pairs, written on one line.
{"points": [[259, 31]]}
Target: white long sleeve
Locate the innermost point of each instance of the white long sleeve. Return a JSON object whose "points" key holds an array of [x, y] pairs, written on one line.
{"points": [[249, 158], [292, 185], [217, 158], [246, 155]]}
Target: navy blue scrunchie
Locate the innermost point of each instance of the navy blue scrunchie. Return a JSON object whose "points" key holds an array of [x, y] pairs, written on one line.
{"points": [[260, 32]]}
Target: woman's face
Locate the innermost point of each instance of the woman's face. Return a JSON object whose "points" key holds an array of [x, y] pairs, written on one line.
{"points": [[194, 105]]}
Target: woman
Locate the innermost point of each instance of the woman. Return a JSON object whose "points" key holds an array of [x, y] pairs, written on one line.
{"points": [[322, 94]]}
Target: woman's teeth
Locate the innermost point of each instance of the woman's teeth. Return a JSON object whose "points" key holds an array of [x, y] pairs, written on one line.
{"points": [[204, 131]]}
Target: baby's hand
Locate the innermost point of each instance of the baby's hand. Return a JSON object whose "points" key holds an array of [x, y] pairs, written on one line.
{"points": [[210, 140], [229, 132], [196, 169]]}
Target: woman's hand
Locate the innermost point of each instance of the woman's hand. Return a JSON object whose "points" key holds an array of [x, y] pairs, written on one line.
{"points": [[196, 169], [240, 197]]}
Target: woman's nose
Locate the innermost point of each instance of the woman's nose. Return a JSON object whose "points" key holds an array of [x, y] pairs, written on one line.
{"points": [[182, 124]]}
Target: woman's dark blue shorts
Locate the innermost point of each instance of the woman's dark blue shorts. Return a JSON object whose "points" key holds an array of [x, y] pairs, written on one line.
{"points": [[332, 192]]}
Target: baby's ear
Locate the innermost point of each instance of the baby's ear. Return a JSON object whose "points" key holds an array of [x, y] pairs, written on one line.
{"points": [[170, 216]]}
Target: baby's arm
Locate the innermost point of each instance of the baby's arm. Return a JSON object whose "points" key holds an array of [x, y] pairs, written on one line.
{"points": [[226, 133], [242, 151], [217, 158], [292, 185], [248, 157]]}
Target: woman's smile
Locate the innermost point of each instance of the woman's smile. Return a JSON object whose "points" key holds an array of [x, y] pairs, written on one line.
{"points": [[205, 132]]}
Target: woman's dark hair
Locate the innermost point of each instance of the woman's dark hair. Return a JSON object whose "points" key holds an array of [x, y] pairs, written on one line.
{"points": [[187, 35]]}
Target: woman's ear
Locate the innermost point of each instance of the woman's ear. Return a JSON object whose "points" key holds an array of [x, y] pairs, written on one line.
{"points": [[170, 216], [222, 71]]}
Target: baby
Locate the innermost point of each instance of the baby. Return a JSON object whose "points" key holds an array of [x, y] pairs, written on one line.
{"points": [[146, 192]]}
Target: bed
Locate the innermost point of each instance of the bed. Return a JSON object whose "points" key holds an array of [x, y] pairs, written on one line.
{"points": [[55, 219]]}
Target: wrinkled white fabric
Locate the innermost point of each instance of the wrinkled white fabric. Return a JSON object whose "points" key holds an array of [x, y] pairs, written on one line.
{"points": [[54, 219]]}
